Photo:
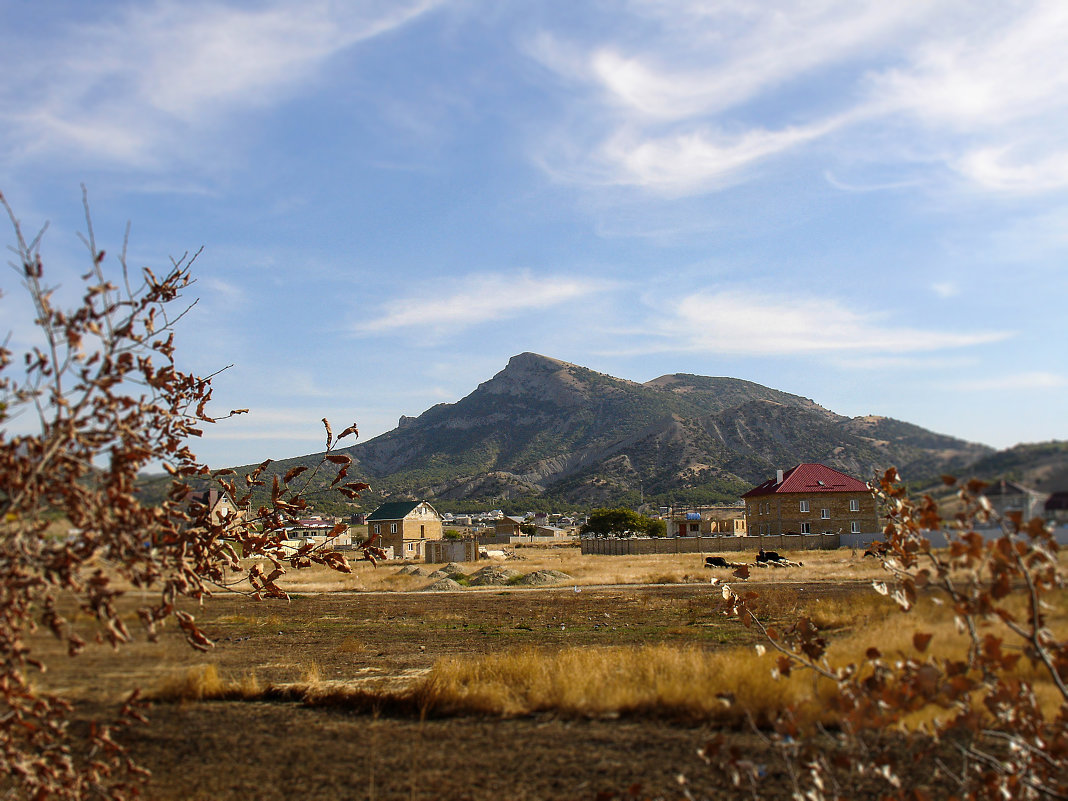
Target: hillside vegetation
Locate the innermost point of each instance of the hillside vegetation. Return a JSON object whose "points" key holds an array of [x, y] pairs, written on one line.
{"points": [[544, 432]]}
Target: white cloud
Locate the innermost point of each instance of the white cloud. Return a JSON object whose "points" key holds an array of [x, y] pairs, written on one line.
{"points": [[945, 289], [748, 323], [698, 161], [478, 299], [993, 168], [1013, 382], [131, 88], [944, 87], [988, 71], [716, 56]]}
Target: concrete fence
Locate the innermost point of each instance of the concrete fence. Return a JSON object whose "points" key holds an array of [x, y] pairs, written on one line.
{"points": [[526, 539], [652, 545]]}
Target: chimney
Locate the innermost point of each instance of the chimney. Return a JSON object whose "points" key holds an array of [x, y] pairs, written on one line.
{"points": [[778, 476]]}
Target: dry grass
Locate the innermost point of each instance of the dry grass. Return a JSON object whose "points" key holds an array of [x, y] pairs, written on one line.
{"points": [[588, 570], [687, 682], [203, 683], [683, 682]]}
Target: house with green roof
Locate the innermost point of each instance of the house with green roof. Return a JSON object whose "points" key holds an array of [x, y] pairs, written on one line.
{"points": [[405, 526]]}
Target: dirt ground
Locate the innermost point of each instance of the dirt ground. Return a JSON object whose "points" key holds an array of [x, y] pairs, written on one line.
{"points": [[386, 639], [284, 750]]}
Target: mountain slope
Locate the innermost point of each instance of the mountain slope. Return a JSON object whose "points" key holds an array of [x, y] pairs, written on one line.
{"points": [[546, 427]]}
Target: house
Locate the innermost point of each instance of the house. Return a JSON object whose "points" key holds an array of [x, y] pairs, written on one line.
{"points": [[810, 498], [1009, 496], [508, 527], [1057, 508], [706, 521], [405, 526], [551, 531], [221, 507], [316, 529]]}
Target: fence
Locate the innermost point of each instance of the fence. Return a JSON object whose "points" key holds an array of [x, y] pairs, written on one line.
{"points": [[653, 545]]}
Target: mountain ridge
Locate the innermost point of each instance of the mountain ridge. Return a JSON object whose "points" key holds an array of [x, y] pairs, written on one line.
{"points": [[544, 432], [546, 427]]}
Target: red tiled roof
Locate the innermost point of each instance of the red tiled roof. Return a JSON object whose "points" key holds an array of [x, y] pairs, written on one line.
{"points": [[810, 477]]}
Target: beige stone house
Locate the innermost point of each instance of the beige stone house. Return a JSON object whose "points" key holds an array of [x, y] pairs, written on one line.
{"points": [[707, 521], [810, 499], [405, 526], [221, 508]]}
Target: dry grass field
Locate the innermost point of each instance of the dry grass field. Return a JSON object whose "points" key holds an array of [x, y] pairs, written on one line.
{"points": [[363, 687]]}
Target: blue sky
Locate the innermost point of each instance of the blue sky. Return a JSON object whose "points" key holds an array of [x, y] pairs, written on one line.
{"points": [[864, 203]]}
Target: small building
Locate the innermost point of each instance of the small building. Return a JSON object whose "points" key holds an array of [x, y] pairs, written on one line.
{"points": [[810, 498], [551, 531], [405, 526], [441, 551], [706, 521], [1009, 496], [1056, 508], [508, 527], [221, 507]]}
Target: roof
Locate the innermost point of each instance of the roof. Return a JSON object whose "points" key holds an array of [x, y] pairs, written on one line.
{"points": [[1056, 501], [809, 477], [395, 510], [1000, 488]]}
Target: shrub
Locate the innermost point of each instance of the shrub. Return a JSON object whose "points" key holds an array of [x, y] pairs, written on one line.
{"points": [[977, 703], [100, 397]]}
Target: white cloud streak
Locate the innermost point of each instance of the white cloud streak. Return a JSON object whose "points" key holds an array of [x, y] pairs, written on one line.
{"points": [[742, 322], [478, 299], [979, 92], [132, 88], [1013, 382]]}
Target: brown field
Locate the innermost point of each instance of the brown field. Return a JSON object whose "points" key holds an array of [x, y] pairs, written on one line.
{"points": [[360, 688]]}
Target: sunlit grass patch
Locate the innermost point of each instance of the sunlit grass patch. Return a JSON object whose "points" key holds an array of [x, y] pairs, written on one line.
{"points": [[685, 682]]}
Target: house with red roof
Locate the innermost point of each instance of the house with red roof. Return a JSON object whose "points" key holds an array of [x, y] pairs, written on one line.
{"points": [[810, 499]]}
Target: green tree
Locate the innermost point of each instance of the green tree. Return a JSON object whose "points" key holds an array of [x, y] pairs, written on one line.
{"points": [[619, 521]]}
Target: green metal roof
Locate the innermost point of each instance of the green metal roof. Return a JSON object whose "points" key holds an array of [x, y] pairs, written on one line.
{"points": [[395, 510]]}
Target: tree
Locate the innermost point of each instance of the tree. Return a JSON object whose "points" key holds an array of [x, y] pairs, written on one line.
{"points": [[98, 398], [618, 522], [984, 725]]}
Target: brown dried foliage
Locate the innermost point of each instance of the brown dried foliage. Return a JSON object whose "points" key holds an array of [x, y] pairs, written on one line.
{"points": [[990, 737], [101, 398]]}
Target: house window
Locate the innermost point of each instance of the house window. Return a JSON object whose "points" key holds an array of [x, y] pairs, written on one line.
{"points": [[804, 506], [854, 505], [422, 532], [825, 514], [392, 528], [378, 528], [806, 528], [854, 527]]}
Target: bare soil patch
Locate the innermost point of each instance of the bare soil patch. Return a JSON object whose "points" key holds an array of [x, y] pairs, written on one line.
{"points": [[231, 750]]}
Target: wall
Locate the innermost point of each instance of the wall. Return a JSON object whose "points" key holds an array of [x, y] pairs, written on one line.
{"points": [[441, 551], [785, 514], [646, 545]]}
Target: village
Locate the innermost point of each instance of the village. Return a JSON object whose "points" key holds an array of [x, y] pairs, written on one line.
{"points": [[809, 507]]}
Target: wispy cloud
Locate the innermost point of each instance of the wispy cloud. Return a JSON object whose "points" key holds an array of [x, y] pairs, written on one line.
{"points": [[1013, 382], [743, 322], [478, 299], [701, 160], [945, 289], [133, 87], [938, 87]]}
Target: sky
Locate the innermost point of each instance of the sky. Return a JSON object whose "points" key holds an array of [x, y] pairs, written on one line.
{"points": [[862, 203]]}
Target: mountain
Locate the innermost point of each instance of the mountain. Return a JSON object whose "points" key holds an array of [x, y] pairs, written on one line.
{"points": [[544, 427]]}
